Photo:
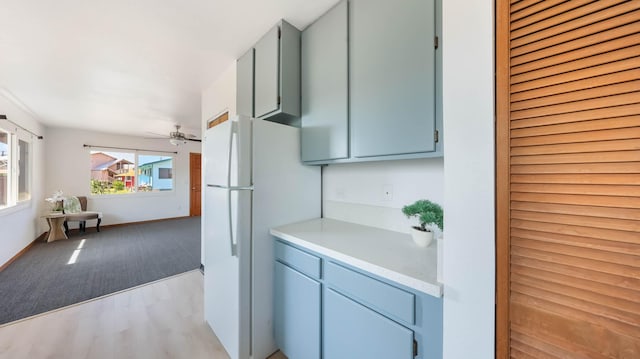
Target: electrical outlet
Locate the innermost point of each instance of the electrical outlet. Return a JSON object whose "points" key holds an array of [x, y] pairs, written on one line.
{"points": [[387, 192]]}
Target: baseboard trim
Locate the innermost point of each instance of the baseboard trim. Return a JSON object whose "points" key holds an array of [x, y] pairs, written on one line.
{"points": [[23, 251]]}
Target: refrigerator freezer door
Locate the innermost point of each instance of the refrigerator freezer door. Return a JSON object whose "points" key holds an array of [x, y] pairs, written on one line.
{"points": [[228, 268], [227, 153]]}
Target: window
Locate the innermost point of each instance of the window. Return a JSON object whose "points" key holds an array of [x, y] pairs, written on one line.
{"points": [[15, 170], [165, 173], [4, 168], [24, 179], [128, 172]]}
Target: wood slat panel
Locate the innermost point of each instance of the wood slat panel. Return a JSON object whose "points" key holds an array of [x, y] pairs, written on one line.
{"points": [[583, 84], [599, 43], [597, 336], [576, 272], [584, 147], [593, 136], [568, 107], [544, 348], [547, 12], [534, 8], [573, 308], [588, 14], [580, 231], [580, 96], [610, 307], [582, 221], [552, 277], [593, 190], [576, 241], [533, 43], [577, 75], [581, 200], [623, 167], [584, 22], [580, 252], [592, 125], [534, 70], [593, 157], [577, 106], [523, 4], [592, 211]]}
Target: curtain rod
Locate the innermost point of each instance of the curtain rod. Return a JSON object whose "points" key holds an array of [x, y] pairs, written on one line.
{"points": [[4, 117], [130, 149]]}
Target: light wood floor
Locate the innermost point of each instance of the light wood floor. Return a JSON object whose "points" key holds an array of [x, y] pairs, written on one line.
{"points": [[163, 319]]}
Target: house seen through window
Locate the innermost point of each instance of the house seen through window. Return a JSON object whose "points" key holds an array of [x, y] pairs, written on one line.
{"points": [[128, 172]]}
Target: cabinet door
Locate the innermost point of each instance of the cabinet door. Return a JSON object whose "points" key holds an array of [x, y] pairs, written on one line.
{"points": [[267, 53], [244, 80], [297, 313], [392, 77], [325, 132], [354, 331]]}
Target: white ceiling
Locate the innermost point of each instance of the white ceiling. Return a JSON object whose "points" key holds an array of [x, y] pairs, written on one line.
{"points": [[129, 66]]}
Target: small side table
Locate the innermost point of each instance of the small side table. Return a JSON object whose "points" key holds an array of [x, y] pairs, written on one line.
{"points": [[56, 229]]}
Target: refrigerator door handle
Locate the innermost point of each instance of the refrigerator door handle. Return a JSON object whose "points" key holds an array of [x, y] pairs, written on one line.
{"points": [[233, 130], [234, 244]]}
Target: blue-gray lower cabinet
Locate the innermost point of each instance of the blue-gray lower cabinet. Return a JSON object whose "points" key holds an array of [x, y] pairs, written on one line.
{"points": [[328, 309], [352, 330], [297, 313]]}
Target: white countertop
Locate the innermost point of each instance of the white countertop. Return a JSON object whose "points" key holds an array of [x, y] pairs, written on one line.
{"points": [[390, 255]]}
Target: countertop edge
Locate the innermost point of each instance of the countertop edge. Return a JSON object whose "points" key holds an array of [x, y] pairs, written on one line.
{"points": [[431, 289]]}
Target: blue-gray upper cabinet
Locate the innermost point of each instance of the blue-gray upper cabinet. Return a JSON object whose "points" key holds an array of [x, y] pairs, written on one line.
{"points": [[277, 75], [392, 77], [244, 80], [325, 111]]}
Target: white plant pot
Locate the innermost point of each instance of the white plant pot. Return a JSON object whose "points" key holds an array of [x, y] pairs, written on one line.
{"points": [[439, 257], [422, 238]]}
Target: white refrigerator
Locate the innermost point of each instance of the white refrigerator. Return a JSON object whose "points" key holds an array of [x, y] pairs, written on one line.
{"points": [[254, 181]]}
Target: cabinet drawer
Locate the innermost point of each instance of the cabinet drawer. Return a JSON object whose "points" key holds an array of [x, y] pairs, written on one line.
{"points": [[300, 260], [378, 295]]}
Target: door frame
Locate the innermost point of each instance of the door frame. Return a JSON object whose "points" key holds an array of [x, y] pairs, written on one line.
{"points": [[503, 246]]}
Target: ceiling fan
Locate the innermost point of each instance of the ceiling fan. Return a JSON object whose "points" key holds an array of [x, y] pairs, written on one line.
{"points": [[176, 137]]}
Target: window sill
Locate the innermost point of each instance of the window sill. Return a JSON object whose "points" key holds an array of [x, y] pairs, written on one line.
{"points": [[16, 208], [132, 195]]}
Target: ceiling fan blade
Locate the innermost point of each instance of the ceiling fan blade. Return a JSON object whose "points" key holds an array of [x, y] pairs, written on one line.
{"points": [[193, 139]]}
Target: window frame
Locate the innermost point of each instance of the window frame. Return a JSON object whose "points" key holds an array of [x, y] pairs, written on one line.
{"points": [[13, 170], [136, 155]]}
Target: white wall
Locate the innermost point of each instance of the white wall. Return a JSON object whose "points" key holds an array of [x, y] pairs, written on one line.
{"points": [[20, 225], [68, 169], [219, 97], [357, 192], [469, 245]]}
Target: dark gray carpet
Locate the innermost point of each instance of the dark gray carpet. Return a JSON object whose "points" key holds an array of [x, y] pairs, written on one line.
{"points": [[114, 259]]}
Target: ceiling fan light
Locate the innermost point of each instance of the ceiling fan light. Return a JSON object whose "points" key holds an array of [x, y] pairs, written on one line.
{"points": [[175, 141]]}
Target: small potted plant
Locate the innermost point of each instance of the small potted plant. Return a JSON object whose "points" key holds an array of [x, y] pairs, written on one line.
{"points": [[427, 213]]}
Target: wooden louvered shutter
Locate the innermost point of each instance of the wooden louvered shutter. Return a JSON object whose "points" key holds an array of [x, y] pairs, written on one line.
{"points": [[568, 179]]}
